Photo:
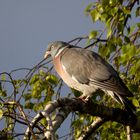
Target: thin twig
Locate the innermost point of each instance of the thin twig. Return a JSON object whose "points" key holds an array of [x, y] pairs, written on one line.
{"points": [[95, 42], [78, 38]]}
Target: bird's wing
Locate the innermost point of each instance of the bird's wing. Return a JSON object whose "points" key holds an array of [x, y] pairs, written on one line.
{"points": [[88, 67]]}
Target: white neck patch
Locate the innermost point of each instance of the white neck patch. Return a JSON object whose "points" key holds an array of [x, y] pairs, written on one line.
{"points": [[60, 50]]}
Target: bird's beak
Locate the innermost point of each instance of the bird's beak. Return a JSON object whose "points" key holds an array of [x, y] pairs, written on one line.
{"points": [[47, 54]]}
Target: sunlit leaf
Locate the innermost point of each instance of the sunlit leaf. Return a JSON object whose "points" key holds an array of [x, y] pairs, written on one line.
{"points": [[52, 79], [95, 15], [34, 79], [135, 102], [109, 32], [113, 11], [38, 106], [44, 122], [126, 10], [1, 113], [3, 76], [93, 34], [112, 1]]}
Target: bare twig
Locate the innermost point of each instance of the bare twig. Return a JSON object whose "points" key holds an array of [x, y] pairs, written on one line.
{"points": [[95, 42], [78, 39]]}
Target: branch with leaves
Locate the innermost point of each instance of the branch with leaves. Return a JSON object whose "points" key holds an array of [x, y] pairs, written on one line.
{"points": [[67, 105]]}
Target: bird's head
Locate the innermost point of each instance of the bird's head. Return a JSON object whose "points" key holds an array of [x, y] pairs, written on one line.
{"points": [[55, 48]]}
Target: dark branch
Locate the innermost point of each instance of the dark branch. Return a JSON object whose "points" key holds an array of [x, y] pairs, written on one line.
{"points": [[93, 109], [108, 113]]}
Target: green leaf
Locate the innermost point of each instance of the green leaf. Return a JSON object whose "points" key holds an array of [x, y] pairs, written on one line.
{"points": [[41, 72], [126, 10], [76, 93], [113, 11], [104, 51], [27, 96], [126, 39], [36, 93], [136, 67], [123, 59], [93, 34], [34, 79], [138, 24], [120, 27], [133, 87], [105, 3], [119, 41], [104, 17], [95, 15], [132, 51], [135, 102], [1, 113], [3, 77], [138, 12], [52, 79], [29, 105], [44, 122], [132, 29], [109, 32], [3, 93], [112, 2], [1, 104], [38, 106], [88, 8], [125, 48]]}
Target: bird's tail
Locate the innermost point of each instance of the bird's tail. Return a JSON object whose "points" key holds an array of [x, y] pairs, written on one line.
{"points": [[129, 107], [127, 104], [123, 100]]}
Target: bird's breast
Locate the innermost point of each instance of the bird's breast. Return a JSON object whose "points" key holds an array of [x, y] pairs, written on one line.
{"points": [[61, 70], [71, 81]]}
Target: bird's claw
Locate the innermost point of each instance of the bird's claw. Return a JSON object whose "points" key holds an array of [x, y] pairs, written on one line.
{"points": [[85, 99]]}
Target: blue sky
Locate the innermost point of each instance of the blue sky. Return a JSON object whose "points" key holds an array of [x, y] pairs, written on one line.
{"points": [[27, 26]]}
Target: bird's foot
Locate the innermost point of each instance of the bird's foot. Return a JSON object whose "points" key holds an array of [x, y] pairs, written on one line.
{"points": [[85, 99]]}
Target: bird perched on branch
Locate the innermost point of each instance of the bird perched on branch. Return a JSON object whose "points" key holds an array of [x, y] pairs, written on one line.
{"points": [[86, 71]]}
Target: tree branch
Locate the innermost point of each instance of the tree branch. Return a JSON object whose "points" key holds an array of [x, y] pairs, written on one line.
{"points": [[67, 105], [108, 113]]}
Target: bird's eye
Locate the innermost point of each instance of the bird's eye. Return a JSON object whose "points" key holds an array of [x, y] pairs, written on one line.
{"points": [[52, 47]]}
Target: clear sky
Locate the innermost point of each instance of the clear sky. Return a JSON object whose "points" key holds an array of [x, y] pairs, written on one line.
{"points": [[27, 26]]}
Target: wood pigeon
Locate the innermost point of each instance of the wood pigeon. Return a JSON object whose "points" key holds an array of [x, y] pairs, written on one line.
{"points": [[86, 71]]}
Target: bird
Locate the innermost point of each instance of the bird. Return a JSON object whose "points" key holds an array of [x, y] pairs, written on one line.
{"points": [[87, 72]]}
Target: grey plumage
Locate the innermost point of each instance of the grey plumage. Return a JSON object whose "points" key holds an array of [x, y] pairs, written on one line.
{"points": [[88, 67], [86, 71]]}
